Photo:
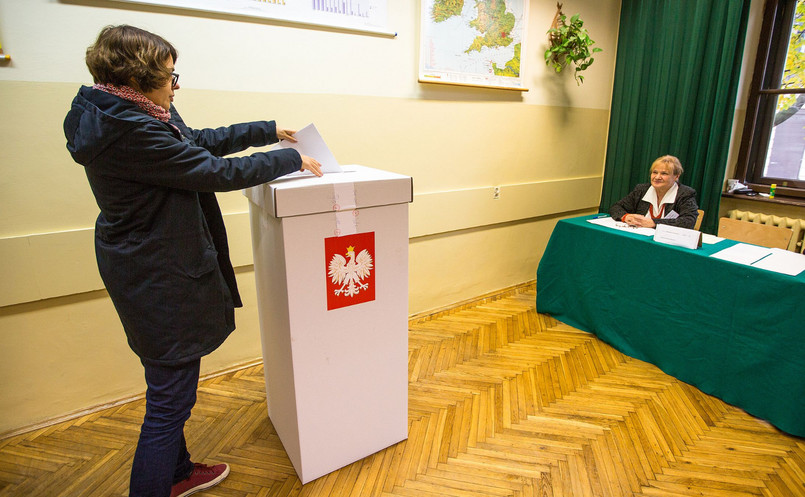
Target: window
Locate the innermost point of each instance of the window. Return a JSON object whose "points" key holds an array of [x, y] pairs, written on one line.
{"points": [[773, 143]]}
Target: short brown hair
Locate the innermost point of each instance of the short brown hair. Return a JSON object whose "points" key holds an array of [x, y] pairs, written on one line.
{"points": [[123, 54], [669, 160]]}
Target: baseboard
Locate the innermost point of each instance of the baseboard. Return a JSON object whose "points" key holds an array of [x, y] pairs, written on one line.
{"points": [[493, 295], [100, 407]]}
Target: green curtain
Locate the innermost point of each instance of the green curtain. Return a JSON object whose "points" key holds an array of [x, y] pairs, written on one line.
{"points": [[676, 79]]}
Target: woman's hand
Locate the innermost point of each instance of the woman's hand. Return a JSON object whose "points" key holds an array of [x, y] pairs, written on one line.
{"points": [[311, 164], [286, 134], [638, 220]]}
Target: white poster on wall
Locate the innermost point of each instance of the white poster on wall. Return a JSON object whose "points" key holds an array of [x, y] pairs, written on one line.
{"points": [[356, 15]]}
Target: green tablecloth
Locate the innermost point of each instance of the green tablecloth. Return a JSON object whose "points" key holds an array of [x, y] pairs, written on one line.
{"points": [[734, 331]]}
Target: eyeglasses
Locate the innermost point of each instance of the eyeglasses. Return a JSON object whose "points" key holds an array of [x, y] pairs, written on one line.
{"points": [[174, 79]]}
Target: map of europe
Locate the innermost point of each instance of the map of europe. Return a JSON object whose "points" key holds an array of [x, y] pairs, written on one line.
{"points": [[475, 42]]}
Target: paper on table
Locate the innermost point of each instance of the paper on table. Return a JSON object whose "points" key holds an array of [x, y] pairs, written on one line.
{"points": [[710, 239], [309, 142], [742, 253], [782, 261], [618, 225], [677, 236]]}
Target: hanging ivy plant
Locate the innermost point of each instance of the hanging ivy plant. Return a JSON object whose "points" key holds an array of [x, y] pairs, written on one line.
{"points": [[569, 43]]}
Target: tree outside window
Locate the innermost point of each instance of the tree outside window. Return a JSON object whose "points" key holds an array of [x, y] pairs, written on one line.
{"points": [[786, 156]]}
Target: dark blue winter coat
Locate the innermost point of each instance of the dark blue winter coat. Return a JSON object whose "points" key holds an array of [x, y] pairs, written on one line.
{"points": [[159, 239]]}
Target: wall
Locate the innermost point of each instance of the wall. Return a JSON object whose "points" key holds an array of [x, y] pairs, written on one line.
{"points": [[63, 346]]}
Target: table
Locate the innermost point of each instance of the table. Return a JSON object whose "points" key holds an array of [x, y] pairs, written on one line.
{"points": [[734, 331]]}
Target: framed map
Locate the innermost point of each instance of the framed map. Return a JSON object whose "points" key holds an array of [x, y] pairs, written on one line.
{"points": [[473, 42], [358, 15]]}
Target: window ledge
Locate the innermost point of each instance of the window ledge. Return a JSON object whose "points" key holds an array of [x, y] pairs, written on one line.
{"points": [[778, 199]]}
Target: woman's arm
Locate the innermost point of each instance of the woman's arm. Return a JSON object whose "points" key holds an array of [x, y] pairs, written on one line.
{"points": [[153, 154], [228, 139], [235, 138], [627, 205]]}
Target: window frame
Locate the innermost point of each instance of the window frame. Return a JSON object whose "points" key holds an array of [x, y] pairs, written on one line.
{"points": [[761, 105]]}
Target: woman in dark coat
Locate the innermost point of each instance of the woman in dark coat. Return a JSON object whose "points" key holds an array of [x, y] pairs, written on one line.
{"points": [[663, 201], [159, 239]]}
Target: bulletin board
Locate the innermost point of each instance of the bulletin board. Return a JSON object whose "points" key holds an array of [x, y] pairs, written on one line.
{"points": [[368, 16]]}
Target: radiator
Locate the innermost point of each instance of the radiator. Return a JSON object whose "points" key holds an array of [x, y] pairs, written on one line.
{"points": [[796, 225]]}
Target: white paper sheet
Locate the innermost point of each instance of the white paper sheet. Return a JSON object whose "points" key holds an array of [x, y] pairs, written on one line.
{"points": [[742, 253], [710, 239], [309, 142], [680, 237], [782, 261], [618, 225]]}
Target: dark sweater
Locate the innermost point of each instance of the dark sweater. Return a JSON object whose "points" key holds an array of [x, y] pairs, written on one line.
{"points": [[685, 205]]}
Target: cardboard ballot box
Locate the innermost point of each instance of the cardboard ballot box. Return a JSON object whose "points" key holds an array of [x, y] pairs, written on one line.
{"points": [[331, 267]]}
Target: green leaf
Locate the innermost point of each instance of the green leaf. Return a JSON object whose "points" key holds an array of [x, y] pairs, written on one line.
{"points": [[569, 43]]}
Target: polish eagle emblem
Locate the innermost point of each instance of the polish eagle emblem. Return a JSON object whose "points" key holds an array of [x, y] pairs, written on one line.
{"points": [[350, 273]]}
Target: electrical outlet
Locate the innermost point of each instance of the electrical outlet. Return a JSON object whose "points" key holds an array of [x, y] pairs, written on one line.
{"points": [[496, 193]]}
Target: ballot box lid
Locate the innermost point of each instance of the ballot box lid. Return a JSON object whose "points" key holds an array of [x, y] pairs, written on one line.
{"points": [[357, 187]]}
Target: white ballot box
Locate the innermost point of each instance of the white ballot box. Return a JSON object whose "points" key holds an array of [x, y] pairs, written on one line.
{"points": [[331, 267]]}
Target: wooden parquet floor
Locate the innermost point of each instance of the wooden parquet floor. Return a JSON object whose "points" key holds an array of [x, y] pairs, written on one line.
{"points": [[502, 402]]}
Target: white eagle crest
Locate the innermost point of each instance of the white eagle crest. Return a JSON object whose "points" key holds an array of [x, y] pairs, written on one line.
{"points": [[349, 274]]}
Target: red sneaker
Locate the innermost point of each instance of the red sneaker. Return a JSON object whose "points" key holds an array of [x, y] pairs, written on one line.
{"points": [[202, 477]]}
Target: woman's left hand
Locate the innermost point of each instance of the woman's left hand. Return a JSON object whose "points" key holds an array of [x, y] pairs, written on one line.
{"points": [[286, 134], [638, 220]]}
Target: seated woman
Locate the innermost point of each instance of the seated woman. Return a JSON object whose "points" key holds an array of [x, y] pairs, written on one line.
{"points": [[663, 201]]}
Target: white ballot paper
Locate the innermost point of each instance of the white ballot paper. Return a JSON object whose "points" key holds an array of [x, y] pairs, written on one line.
{"points": [[742, 253], [309, 142], [618, 225], [782, 261], [710, 239]]}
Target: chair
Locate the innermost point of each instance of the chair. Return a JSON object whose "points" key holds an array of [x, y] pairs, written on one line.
{"points": [[699, 219], [757, 234]]}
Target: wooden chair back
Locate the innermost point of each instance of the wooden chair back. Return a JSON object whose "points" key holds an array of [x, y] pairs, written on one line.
{"points": [[699, 219], [757, 234]]}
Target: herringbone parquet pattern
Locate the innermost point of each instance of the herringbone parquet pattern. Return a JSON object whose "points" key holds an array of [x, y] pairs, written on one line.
{"points": [[502, 402]]}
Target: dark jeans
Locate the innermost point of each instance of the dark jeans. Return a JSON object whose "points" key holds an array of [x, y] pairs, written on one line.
{"points": [[161, 458]]}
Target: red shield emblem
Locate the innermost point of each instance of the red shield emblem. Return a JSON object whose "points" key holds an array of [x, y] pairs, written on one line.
{"points": [[350, 267]]}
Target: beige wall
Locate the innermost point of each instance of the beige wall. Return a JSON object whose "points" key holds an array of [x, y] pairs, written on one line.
{"points": [[63, 346]]}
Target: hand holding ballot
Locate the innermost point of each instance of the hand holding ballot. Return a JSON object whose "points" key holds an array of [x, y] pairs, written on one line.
{"points": [[312, 165], [308, 163], [308, 142], [286, 134]]}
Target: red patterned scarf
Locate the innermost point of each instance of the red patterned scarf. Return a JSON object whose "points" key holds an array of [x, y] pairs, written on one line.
{"points": [[132, 95]]}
